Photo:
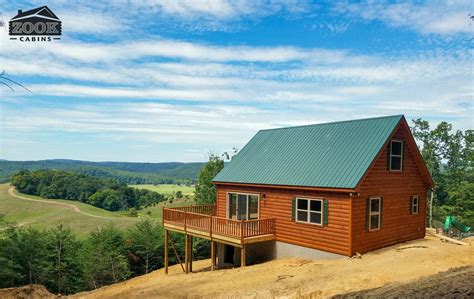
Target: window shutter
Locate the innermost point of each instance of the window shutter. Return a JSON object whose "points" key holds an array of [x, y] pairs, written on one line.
{"points": [[293, 208], [381, 212], [403, 155], [411, 205], [325, 212], [389, 153], [367, 209]]}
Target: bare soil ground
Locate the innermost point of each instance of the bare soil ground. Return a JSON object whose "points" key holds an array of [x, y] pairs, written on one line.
{"points": [[31, 291], [454, 283], [400, 264]]}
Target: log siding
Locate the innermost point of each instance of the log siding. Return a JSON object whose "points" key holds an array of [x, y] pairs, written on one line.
{"points": [[277, 203], [396, 188]]}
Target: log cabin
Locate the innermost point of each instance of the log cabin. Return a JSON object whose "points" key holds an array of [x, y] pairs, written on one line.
{"points": [[317, 191]]}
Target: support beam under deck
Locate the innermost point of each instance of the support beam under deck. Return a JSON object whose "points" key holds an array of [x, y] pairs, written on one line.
{"points": [[166, 251]]}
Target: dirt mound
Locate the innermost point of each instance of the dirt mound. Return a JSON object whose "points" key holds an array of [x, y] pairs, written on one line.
{"points": [[454, 283], [32, 291]]}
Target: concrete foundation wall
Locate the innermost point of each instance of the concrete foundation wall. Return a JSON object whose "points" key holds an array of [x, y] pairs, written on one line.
{"points": [[289, 250], [266, 251]]}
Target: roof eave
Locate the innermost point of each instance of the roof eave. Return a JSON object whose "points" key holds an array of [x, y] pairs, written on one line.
{"points": [[309, 188]]}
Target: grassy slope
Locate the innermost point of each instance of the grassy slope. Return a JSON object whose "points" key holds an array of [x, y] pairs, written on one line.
{"points": [[44, 215], [167, 188]]}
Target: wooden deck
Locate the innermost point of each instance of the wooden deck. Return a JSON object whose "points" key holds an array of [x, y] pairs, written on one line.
{"points": [[200, 221]]}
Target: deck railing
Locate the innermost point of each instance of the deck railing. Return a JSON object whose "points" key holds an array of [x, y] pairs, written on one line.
{"points": [[200, 209], [186, 218]]}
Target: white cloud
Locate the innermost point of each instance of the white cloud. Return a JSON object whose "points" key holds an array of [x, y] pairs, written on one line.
{"points": [[437, 16], [90, 22], [220, 9]]}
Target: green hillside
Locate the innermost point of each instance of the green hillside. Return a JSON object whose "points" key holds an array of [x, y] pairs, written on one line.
{"points": [[125, 172], [41, 214]]}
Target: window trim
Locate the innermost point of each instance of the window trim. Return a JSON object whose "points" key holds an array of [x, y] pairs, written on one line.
{"points": [[321, 200], [399, 156], [378, 213], [413, 204], [242, 193]]}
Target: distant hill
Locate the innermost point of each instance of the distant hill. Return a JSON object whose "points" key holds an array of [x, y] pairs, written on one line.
{"points": [[127, 172]]}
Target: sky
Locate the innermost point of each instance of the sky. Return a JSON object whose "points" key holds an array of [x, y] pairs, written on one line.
{"points": [[170, 80]]}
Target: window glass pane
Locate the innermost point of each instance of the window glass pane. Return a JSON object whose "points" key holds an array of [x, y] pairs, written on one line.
{"points": [[374, 222], [253, 207], [396, 148], [302, 216], [315, 205], [315, 218], [302, 204], [232, 206], [396, 163], [374, 205], [242, 207]]}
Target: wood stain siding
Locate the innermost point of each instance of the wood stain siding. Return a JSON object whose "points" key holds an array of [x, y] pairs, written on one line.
{"points": [[335, 237], [396, 188]]}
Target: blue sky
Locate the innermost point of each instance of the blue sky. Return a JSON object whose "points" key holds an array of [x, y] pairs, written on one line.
{"points": [[164, 80]]}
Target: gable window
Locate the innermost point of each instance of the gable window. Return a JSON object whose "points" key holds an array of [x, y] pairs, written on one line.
{"points": [[415, 204], [396, 155], [375, 206], [309, 210]]}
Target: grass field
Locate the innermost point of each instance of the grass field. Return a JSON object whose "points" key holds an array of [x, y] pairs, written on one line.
{"points": [[46, 215], [168, 188]]}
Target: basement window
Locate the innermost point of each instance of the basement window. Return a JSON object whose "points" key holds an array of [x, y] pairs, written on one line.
{"points": [[415, 204], [396, 155], [374, 213], [309, 210]]}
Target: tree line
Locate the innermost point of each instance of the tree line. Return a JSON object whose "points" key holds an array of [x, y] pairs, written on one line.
{"points": [[102, 193], [57, 259], [449, 156], [127, 173]]}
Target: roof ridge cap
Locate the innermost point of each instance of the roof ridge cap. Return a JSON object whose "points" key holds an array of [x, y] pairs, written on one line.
{"points": [[335, 122]]}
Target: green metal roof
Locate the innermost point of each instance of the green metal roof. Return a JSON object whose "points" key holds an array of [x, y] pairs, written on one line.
{"points": [[331, 155]]}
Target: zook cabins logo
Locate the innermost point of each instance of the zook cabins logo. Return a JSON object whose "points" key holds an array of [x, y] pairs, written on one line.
{"points": [[36, 25]]}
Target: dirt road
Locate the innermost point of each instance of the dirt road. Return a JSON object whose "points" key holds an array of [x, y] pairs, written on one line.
{"points": [[76, 209]]}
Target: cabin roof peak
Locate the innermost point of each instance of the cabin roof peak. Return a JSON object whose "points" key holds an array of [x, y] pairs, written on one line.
{"points": [[327, 155]]}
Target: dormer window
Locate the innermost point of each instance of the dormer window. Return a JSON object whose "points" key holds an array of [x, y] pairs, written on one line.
{"points": [[396, 155]]}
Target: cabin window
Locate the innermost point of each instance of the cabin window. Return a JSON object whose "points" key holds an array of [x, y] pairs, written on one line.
{"points": [[396, 155], [309, 210], [242, 206], [374, 213], [415, 204]]}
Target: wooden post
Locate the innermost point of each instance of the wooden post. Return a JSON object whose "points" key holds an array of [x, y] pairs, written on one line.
{"points": [[242, 256], [166, 251], [213, 255], [191, 254], [186, 254], [431, 207]]}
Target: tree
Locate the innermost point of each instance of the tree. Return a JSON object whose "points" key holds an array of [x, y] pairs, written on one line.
{"points": [[179, 194], [145, 243], [104, 257], [65, 270], [449, 157], [10, 268], [205, 191], [32, 255]]}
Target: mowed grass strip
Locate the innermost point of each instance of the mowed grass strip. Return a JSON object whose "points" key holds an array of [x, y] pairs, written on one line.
{"points": [[167, 188], [45, 215]]}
